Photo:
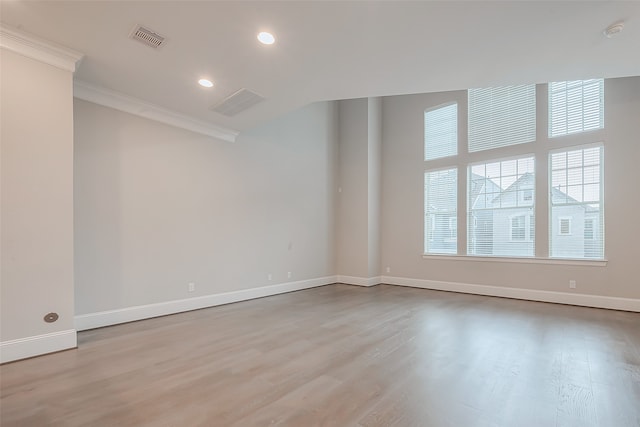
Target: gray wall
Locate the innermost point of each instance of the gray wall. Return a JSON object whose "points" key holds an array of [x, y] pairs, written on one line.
{"points": [[359, 182], [402, 212], [158, 207], [374, 181], [37, 192], [352, 251]]}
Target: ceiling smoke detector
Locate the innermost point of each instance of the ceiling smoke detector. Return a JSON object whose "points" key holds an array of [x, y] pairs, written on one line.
{"points": [[613, 29], [147, 36]]}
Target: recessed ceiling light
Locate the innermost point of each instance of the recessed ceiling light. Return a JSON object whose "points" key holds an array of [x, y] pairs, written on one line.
{"points": [[266, 38], [205, 83]]}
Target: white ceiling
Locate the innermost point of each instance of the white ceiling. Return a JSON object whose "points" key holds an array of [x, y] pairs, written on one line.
{"points": [[330, 49]]}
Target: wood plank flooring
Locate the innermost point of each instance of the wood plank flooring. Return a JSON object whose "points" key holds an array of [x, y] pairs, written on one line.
{"points": [[342, 356]]}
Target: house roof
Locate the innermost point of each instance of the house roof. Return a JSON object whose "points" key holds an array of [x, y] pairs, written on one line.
{"points": [[526, 177]]}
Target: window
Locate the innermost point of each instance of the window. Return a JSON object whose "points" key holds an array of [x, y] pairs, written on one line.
{"points": [[432, 225], [575, 197], [453, 228], [532, 228], [564, 226], [441, 132], [518, 227], [589, 233], [496, 204], [575, 106], [498, 158], [501, 116], [441, 227]]}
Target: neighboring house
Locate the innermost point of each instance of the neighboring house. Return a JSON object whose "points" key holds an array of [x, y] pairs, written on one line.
{"points": [[481, 221], [513, 218], [575, 228], [502, 222]]}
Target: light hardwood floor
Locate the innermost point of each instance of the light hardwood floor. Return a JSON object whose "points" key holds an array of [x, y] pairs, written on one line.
{"points": [[342, 356]]}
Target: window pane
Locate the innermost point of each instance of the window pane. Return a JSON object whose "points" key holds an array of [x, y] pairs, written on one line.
{"points": [[577, 224], [441, 132], [441, 221], [501, 208], [575, 106], [501, 116]]}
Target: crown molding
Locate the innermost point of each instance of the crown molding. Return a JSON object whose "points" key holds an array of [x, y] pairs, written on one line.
{"points": [[138, 107], [39, 49]]}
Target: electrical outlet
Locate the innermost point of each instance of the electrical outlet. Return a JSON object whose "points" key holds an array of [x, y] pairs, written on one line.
{"points": [[288, 275], [191, 287], [572, 284], [388, 269], [269, 276]]}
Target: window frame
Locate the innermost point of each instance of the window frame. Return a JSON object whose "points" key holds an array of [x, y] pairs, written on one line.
{"points": [[521, 156], [601, 201], [540, 149], [424, 126], [582, 131], [432, 220]]}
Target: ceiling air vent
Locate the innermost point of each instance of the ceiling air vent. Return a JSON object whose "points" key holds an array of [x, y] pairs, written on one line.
{"points": [[237, 102], [147, 36]]}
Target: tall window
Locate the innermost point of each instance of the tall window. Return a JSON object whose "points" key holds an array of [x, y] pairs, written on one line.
{"points": [[576, 203], [498, 159], [441, 221], [501, 116], [441, 132], [575, 106], [499, 206]]}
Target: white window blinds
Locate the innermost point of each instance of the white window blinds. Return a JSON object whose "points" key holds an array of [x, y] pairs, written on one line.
{"points": [[440, 206], [501, 208], [576, 204], [575, 106], [441, 132], [501, 116]]}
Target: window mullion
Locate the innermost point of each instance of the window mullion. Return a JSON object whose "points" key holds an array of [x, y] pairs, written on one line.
{"points": [[543, 172]]}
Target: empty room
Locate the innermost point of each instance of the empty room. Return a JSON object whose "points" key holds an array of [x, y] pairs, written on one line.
{"points": [[320, 213]]}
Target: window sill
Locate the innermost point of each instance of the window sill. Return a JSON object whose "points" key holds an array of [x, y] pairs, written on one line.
{"points": [[554, 261]]}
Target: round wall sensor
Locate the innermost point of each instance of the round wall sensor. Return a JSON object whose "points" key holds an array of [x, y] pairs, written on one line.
{"points": [[50, 317], [613, 29]]}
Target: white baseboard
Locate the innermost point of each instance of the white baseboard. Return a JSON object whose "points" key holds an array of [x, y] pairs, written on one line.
{"points": [[359, 281], [130, 314], [37, 345], [614, 303]]}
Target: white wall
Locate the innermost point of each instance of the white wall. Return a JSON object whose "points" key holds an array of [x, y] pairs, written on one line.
{"points": [[37, 207], [402, 213], [157, 207]]}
